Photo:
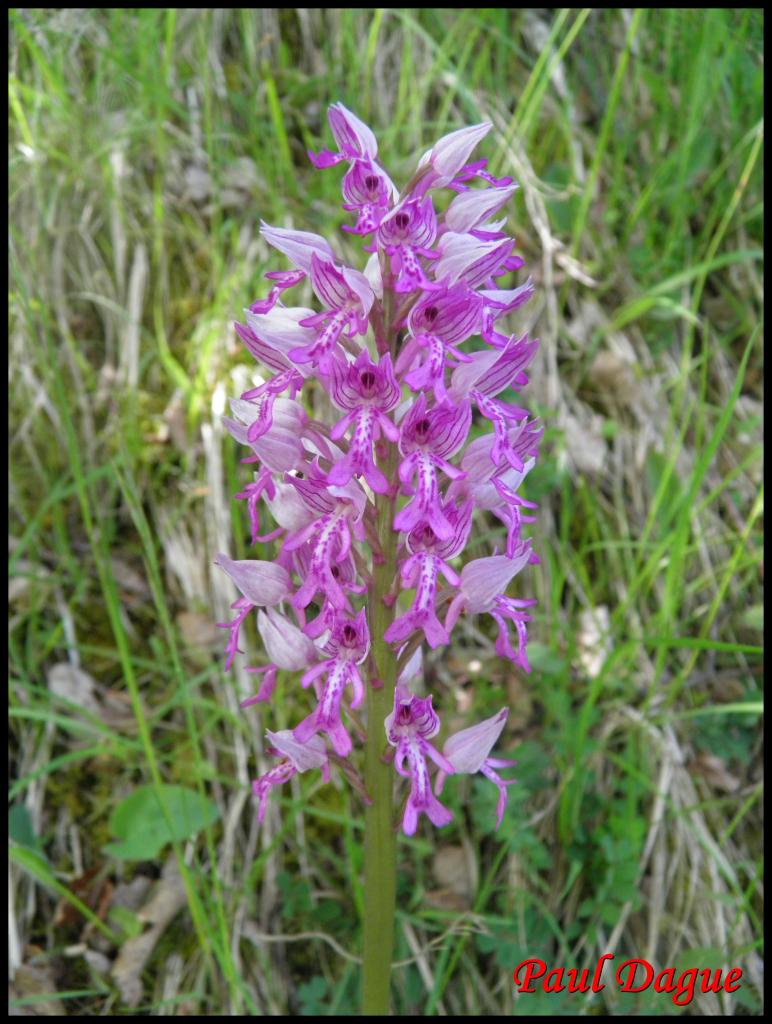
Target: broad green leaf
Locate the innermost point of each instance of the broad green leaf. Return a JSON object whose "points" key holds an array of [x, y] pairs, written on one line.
{"points": [[156, 815], [545, 660]]}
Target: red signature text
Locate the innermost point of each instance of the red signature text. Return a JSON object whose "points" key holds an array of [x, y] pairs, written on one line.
{"points": [[635, 975]]}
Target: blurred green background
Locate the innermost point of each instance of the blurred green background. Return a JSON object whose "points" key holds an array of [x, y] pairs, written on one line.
{"points": [[145, 147]]}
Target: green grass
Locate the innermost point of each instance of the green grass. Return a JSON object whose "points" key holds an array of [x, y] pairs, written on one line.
{"points": [[145, 147]]}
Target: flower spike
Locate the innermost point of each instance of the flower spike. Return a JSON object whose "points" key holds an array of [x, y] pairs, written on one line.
{"points": [[382, 433]]}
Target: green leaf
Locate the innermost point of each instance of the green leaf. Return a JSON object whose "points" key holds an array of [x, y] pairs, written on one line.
{"points": [[156, 815], [128, 922], [656, 469], [20, 828], [35, 865], [753, 617], [746, 997], [311, 996], [699, 958], [545, 660]]}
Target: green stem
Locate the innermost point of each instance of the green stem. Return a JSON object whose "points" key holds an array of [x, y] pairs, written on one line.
{"points": [[380, 843]]}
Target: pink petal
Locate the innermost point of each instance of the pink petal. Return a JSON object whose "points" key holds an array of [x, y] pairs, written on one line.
{"points": [[281, 329], [361, 287], [465, 257], [352, 135], [302, 756], [449, 155], [297, 246], [262, 583], [469, 209], [466, 750], [484, 579], [286, 645]]}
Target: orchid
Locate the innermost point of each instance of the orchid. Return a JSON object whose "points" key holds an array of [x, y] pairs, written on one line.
{"points": [[373, 506], [296, 757], [409, 728], [468, 750]]}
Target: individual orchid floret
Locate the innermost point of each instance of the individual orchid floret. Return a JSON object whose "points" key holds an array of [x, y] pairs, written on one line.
{"points": [[468, 752], [288, 377], [438, 324], [296, 757], [491, 371], [368, 391], [263, 400], [287, 647], [347, 647], [427, 439], [288, 509], [405, 234], [447, 157], [498, 302], [348, 297], [514, 445], [409, 727], [271, 336], [427, 560], [481, 590], [261, 584], [368, 191], [329, 536], [355, 140], [346, 577], [275, 435], [493, 488], [487, 375]]}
